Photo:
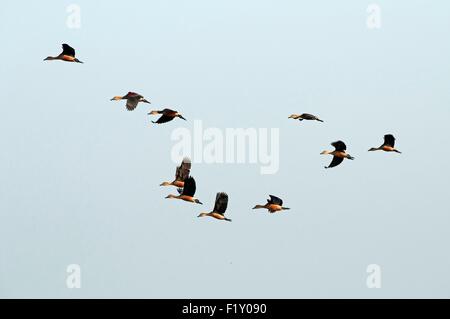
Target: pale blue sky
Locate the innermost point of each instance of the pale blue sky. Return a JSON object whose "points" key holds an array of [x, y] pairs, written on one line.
{"points": [[80, 174]]}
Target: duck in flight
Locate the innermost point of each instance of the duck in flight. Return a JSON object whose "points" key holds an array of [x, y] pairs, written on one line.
{"points": [[305, 116], [167, 115], [338, 154], [274, 204], [67, 55], [181, 174], [188, 192], [132, 100], [388, 145], [220, 207]]}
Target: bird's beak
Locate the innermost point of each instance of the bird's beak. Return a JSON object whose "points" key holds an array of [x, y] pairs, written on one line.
{"points": [[181, 117], [145, 101]]}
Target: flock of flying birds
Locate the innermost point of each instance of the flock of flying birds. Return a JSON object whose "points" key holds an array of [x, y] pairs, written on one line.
{"points": [[185, 183]]}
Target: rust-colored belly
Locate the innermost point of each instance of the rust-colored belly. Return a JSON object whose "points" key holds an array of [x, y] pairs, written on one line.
{"points": [[68, 58], [274, 208], [187, 198], [340, 154], [217, 216], [178, 184]]}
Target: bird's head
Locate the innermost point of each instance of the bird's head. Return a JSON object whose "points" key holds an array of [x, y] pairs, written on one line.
{"points": [[153, 113], [181, 116], [198, 202], [294, 116], [203, 215], [49, 58], [144, 101], [165, 184], [116, 98]]}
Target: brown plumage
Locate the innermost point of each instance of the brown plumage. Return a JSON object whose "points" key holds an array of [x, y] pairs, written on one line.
{"points": [[188, 192], [338, 154], [132, 98], [181, 174], [167, 115], [305, 116], [274, 204], [220, 207], [68, 55], [388, 145]]}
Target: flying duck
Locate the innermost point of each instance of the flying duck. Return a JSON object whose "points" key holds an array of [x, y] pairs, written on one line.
{"points": [[132, 100], [388, 145], [274, 204], [167, 115], [188, 192], [305, 116], [67, 55], [338, 154], [220, 207]]}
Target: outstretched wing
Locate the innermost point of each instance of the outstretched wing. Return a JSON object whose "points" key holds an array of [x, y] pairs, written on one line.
{"points": [[132, 103], [221, 203], [68, 50], [169, 112], [307, 116], [275, 200], [389, 140], [339, 146], [335, 162], [164, 119], [189, 187], [183, 170]]}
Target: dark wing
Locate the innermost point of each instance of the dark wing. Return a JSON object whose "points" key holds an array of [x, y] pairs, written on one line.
{"points": [[132, 103], [183, 170], [68, 50], [221, 203], [189, 187], [275, 200], [168, 112], [164, 119], [335, 162], [389, 140], [307, 116], [339, 146], [132, 94]]}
